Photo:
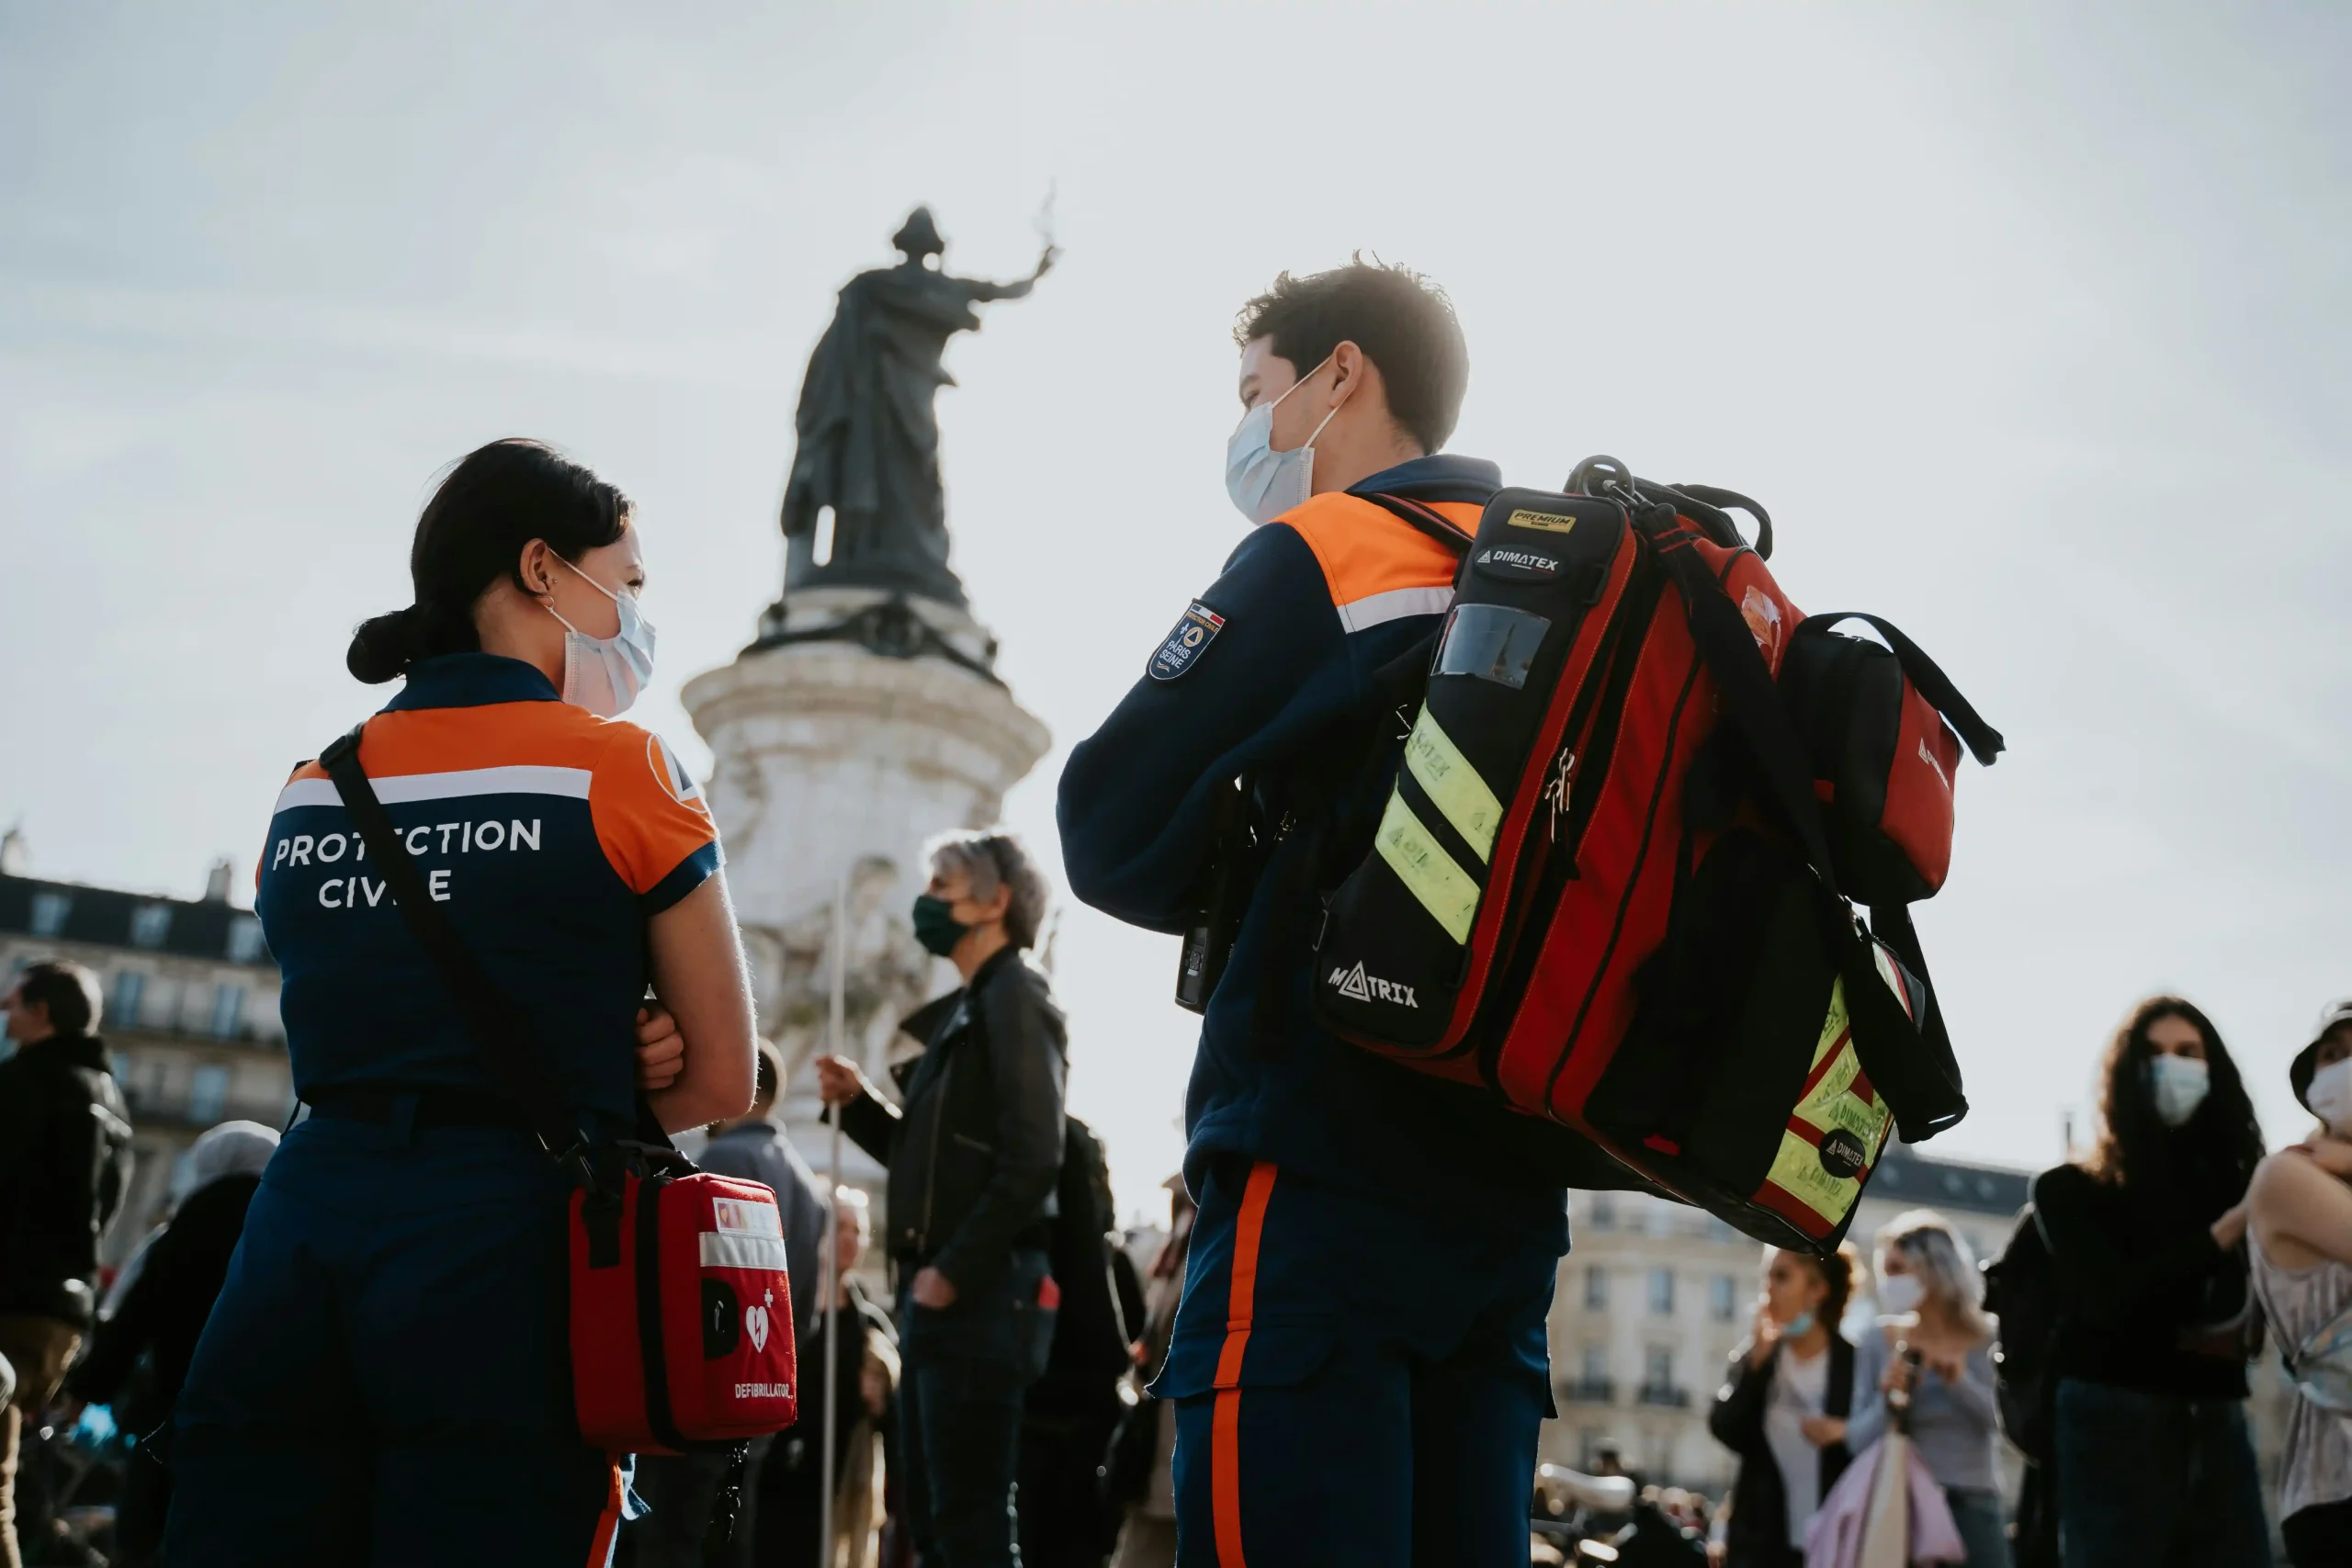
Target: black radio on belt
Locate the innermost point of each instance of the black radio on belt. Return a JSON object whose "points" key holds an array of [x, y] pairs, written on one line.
{"points": [[1209, 938]]}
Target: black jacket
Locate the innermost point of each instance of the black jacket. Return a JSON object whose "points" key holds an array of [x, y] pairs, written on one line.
{"points": [[2137, 1274], [974, 1155], [1760, 1503], [64, 1162], [162, 1313]]}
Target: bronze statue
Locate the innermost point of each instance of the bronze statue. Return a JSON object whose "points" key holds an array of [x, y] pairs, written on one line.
{"points": [[868, 433]]}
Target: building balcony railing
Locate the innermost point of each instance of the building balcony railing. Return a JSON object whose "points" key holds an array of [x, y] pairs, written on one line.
{"points": [[1664, 1397], [1590, 1390]]}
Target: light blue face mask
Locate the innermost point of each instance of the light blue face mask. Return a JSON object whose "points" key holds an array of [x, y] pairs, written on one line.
{"points": [[2179, 1086], [605, 674], [1265, 483], [1798, 1326]]}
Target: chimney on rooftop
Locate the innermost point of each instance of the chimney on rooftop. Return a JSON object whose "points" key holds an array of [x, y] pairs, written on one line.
{"points": [[15, 856], [216, 882]]}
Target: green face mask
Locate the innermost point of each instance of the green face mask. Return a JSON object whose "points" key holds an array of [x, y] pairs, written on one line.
{"points": [[936, 925]]}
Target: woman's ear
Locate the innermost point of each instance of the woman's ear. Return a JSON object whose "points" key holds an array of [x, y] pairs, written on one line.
{"points": [[533, 571]]}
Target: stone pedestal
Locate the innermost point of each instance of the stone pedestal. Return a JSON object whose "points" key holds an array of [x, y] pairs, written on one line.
{"points": [[859, 726]]}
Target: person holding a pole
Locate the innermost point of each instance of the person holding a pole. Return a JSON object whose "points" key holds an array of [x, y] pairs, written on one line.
{"points": [[973, 1149]]}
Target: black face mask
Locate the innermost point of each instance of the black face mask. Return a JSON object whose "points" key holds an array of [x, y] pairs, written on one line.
{"points": [[936, 925]]}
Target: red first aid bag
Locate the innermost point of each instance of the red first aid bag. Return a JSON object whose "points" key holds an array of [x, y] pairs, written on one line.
{"points": [[681, 1318], [681, 1314]]}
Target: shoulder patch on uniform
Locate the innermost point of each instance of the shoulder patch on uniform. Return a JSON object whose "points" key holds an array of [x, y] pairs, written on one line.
{"points": [[1187, 642], [675, 780]]}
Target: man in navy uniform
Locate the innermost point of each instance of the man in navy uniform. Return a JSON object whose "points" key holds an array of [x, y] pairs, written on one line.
{"points": [[1359, 1361]]}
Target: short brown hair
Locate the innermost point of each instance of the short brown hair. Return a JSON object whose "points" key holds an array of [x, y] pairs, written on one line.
{"points": [[69, 991], [767, 1071], [1403, 322]]}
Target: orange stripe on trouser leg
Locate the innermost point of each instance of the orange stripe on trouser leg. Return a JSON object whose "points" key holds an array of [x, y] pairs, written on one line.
{"points": [[608, 1523], [1241, 1302], [1225, 1478]]}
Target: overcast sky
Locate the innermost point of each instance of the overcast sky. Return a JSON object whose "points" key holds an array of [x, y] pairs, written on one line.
{"points": [[2028, 322]]}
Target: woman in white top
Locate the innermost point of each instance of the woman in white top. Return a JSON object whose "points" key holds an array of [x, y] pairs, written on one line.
{"points": [[1928, 1290], [1784, 1406], [2298, 1242]]}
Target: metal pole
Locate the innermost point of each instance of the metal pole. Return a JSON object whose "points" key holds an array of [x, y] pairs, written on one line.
{"points": [[833, 1271]]}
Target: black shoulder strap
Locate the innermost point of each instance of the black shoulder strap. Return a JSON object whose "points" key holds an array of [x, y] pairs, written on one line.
{"points": [[1425, 518], [497, 1025], [1750, 694], [1982, 739]]}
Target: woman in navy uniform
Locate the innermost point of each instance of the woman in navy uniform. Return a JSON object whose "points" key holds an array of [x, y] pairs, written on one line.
{"points": [[386, 1378]]}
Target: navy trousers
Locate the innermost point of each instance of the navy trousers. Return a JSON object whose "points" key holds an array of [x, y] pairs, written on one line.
{"points": [[386, 1378], [2150, 1482], [1354, 1386], [965, 1371]]}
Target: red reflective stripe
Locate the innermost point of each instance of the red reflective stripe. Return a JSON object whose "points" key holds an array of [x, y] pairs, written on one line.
{"points": [[1225, 1432], [608, 1523]]}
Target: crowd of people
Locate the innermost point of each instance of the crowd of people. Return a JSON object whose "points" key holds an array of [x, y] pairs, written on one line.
{"points": [[2134, 1298], [350, 1344]]}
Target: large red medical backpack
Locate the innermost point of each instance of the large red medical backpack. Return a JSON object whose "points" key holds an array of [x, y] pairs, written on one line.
{"points": [[1614, 880]]}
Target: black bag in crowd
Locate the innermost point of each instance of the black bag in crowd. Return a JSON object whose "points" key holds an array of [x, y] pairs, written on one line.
{"points": [[2020, 1290]]}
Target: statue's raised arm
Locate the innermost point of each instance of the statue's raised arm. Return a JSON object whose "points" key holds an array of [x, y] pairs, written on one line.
{"points": [[982, 290], [868, 431]]}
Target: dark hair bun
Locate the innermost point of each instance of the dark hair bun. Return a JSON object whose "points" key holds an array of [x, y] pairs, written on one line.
{"points": [[384, 646]]}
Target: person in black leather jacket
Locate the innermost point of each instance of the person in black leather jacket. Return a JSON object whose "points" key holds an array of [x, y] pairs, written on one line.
{"points": [[64, 1162], [974, 1153]]}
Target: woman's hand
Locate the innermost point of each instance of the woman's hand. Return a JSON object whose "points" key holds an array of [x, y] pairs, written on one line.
{"points": [[1901, 1371], [1949, 1365], [2230, 1229], [931, 1288], [660, 1049], [838, 1083], [1823, 1430], [1763, 1336]]}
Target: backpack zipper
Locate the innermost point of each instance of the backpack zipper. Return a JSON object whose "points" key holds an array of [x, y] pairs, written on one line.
{"points": [[1547, 861]]}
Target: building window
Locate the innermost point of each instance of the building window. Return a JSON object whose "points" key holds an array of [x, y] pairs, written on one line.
{"points": [[228, 1009], [1596, 1289], [1596, 1364], [1657, 1368], [1604, 1210], [1662, 1216], [208, 1091], [1723, 1298], [149, 924], [49, 910], [130, 986], [1662, 1293], [244, 940]]}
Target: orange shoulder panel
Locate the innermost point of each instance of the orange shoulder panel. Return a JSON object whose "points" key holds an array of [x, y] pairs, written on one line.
{"points": [[495, 735], [1366, 551]]}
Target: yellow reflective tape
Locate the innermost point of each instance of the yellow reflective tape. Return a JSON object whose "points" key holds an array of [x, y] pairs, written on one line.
{"points": [[1445, 890], [1453, 785], [1831, 1107]]}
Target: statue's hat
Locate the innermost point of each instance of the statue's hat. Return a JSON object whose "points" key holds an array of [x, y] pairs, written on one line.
{"points": [[919, 236]]}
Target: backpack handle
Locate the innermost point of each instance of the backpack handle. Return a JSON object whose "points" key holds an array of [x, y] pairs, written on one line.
{"points": [[1983, 742]]}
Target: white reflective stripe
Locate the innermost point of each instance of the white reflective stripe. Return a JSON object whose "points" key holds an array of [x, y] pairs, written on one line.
{"points": [[1374, 609], [725, 1251], [398, 787]]}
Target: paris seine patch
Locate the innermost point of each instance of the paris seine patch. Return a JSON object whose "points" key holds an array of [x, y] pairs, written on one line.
{"points": [[1187, 642]]}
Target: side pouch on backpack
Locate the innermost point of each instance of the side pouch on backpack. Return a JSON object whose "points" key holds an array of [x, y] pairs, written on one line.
{"points": [[1750, 1004], [1879, 725]]}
